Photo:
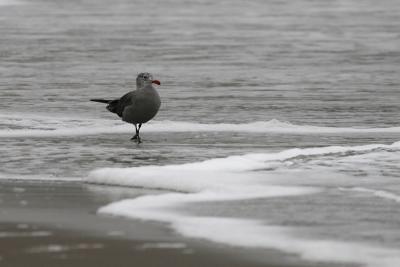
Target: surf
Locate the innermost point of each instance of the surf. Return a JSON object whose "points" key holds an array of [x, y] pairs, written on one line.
{"points": [[246, 177], [35, 125], [211, 172]]}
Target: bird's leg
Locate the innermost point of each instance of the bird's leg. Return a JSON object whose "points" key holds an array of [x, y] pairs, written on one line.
{"points": [[135, 137], [137, 132]]}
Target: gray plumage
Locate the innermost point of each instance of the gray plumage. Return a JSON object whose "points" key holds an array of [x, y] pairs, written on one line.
{"points": [[137, 106]]}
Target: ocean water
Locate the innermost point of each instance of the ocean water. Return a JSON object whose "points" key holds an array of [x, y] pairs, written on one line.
{"points": [[279, 126]]}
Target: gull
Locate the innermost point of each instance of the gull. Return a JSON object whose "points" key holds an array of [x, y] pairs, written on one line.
{"points": [[138, 106]]}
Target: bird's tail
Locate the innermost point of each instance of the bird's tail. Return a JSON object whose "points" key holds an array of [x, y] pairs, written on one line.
{"points": [[101, 101]]}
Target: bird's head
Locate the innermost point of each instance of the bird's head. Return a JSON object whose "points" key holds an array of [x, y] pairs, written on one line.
{"points": [[144, 79]]}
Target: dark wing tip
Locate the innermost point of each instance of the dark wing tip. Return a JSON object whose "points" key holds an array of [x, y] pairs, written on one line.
{"points": [[100, 100]]}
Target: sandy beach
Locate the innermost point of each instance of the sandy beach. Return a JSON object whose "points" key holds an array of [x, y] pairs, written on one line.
{"points": [[55, 224]]}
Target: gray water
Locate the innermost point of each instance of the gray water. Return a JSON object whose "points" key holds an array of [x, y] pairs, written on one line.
{"points": [[304, 63], [310, 62]]}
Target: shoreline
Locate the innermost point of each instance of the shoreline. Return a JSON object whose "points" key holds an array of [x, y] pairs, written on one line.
{"points": [[55, 224], [35, 245]]}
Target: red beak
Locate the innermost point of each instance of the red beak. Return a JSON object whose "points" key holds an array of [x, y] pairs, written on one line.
{"points": [[156, 82]]}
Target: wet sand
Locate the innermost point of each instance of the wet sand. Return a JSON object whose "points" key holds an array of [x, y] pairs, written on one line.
{"points": [[55, 224], [42, 246]]}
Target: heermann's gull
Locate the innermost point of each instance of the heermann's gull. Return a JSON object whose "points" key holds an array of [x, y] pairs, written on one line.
{"points": [[137, 106]]}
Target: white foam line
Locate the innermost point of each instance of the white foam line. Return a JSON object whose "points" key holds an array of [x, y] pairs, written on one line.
{"points": [[160, 207], [272, 126], [214, 174], [233, 178], [378, 193], [247, 233], [59, 127]]}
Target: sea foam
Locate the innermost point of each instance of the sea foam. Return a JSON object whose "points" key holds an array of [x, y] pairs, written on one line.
{"points": [[31, 125], [235, 178], [248, 233], [213, 173]]}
